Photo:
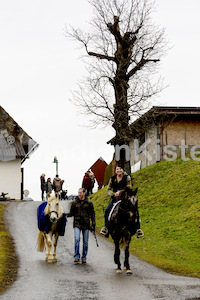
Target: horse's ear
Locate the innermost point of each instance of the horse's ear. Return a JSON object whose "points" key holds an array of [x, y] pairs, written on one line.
{"points": [[48, 195], [135, 191], [56, 194]]}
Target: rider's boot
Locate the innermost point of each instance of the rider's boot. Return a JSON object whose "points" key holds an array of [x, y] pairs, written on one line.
{"points": [[105, 230]]}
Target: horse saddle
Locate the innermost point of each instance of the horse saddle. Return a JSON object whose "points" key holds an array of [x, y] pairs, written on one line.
{"points": [[112, 209]]}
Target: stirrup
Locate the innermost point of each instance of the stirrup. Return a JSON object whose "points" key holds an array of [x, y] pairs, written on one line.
{"points": [[104, 230], [139, 233]]}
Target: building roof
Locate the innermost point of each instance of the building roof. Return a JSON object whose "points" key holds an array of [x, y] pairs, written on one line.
{"points": [[98, 168], [179, 109], [14, 141], [158, 114]]}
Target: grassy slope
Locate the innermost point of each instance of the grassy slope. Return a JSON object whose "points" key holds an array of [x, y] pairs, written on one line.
{"points": [[8, 258], [169, 206]]}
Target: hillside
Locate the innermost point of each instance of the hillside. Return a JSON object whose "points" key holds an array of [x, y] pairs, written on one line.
{"points": [[169, 206]]}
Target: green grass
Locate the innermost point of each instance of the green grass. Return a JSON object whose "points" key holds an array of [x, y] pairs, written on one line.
{"points": [[8, 259], [169, 206]]}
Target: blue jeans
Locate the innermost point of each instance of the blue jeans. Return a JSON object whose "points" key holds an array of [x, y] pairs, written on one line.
{"points": [[77, 234]]}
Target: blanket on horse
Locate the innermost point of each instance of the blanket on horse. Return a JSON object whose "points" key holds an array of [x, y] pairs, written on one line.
{"points": [[44, 223]]}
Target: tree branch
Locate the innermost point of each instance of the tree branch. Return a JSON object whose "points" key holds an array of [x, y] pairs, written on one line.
{"points": [[101, 56], [114, 29], [139, 66]]}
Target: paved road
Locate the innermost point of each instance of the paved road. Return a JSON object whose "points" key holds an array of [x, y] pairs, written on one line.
{"points": [[96, 280]]}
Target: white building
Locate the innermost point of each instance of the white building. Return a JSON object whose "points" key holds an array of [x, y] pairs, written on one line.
{"points": [[15, 147]]}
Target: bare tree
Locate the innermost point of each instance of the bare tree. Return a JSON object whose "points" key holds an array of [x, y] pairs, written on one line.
{"points": [[123, 48]]}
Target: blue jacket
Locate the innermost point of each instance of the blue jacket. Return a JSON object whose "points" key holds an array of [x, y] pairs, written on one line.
{"points": [[44, 223]]}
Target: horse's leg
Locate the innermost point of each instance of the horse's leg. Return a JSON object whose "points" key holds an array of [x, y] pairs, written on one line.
{"points": [[45, 242], [116, 256], [126, 261], [54, 247], [48, 239]]}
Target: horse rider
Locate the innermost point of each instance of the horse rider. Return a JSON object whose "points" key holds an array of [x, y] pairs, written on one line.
{"points": [[116, 185], [82, 210]]}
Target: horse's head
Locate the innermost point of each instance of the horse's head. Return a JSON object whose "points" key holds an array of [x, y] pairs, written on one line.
{"points": [[53, 208], [129, 198]]}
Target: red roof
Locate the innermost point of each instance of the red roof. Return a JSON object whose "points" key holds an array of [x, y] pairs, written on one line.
{"points": [[98, 168]]}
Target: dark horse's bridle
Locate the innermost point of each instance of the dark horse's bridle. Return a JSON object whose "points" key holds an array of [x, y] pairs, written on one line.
{"points": [[127, 211]]}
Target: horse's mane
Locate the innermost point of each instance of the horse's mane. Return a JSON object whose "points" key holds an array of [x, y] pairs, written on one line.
{"points": [[47, 208], [129, 191]]}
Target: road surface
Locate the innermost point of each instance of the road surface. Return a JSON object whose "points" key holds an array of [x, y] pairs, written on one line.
{"points": [[96, 280]]}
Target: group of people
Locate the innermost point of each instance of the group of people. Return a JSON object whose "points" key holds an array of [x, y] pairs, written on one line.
{"points": [[88, 182], [48, 186], [82, 210]]}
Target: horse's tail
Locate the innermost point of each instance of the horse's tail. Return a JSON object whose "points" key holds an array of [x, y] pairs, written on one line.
{"points": [[40, 242]]}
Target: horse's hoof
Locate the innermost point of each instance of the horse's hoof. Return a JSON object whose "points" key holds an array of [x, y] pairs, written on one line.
{"points": [[49, 259], [54, 259], [124, 268], [118, 271], [129, 272]]}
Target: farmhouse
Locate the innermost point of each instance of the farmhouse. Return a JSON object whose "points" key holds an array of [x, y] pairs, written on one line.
{"points": [[15, 147], [163, 133]]}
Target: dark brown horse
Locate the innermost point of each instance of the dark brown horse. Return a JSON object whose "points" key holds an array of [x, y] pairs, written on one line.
{"points": [[123, 224]]}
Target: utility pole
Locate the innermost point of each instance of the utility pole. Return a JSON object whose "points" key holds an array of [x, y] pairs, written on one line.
{"points": [[56, 162]]}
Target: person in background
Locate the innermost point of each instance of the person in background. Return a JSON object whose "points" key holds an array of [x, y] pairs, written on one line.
{"points": [[57, 185], [91, 174], [82, 210], [49, 186], [43, 185], [116, 185], [86, 184], [62, 182], [63, 195]]}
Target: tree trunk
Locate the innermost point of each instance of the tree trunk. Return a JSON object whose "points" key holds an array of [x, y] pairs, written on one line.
{"points": [[121, 124]]}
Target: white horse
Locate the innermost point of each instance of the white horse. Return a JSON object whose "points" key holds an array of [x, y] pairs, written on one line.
{"points": [[55, 216]]}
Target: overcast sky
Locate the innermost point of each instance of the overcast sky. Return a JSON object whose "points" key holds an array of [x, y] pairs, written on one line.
{"points": [[39, 68]]}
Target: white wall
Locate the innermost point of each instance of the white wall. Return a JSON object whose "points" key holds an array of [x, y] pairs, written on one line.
{"points": [[151, 135], [10, 178]]}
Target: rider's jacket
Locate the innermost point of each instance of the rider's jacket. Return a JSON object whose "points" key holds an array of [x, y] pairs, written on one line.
{"points": [[114, 185]]}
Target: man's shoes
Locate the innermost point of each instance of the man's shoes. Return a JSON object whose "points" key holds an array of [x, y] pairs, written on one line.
{"points": [[83, 261], [139, 233], [76, 260], [104, 231]]}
